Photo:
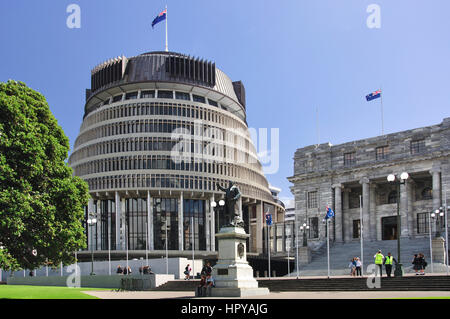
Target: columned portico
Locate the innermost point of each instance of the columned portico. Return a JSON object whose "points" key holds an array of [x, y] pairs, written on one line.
{"points": [[436, 178]]}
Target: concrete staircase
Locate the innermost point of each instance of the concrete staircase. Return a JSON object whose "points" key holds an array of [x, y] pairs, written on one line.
{"points": [[407, 283], [342, 253]]}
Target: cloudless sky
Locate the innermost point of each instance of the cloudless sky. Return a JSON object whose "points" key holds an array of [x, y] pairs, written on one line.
{"points": [[293, 57]]}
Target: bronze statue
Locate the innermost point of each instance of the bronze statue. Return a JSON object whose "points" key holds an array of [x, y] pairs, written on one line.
{"points": [[232, 194]]}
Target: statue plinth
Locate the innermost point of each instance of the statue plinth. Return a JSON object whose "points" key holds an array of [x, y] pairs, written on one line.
{"points": [[232, 274]]}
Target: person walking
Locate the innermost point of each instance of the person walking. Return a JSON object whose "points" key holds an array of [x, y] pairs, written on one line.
{"points": [[119, 270], [379, 258], [388, 264], [187, 272], [358, 265]]}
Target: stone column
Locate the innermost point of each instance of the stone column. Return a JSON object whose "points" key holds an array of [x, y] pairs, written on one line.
{"points": [[373, 212], [213, 226], [89, 229], [123, 231], [99, 225], [209, 211], [117, 204], [436, 176], [404, 210], [365, 209], [259, 228], [180, 222], [338, 220], [347, 221], [150, 235], [409, 206]]}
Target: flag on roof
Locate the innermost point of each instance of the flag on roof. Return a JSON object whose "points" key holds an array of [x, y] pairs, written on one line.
{"points": [[160, 17], [373, 95]]}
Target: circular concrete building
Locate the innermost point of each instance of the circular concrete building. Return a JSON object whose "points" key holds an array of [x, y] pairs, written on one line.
{"points": [[160, 132]]}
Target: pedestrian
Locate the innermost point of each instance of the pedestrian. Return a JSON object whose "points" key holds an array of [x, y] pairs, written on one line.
{"points": [[119, 270], [388, 264], [416, 264], [358, 265], [31, 273], [207, 274], [140, 270], [352, 266], [187, 272], [379, 258], [129, 270], [125, 270], [422, 264]]}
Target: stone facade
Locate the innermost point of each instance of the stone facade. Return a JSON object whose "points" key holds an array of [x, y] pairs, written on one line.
{"points": [[341, 176]]}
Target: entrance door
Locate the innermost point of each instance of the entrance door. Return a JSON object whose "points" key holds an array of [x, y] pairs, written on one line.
{"points": [[389, 225]]}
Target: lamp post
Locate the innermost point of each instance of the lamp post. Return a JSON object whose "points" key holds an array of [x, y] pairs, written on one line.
{"points": [[398, 272], [304, 228], [92, 221]]}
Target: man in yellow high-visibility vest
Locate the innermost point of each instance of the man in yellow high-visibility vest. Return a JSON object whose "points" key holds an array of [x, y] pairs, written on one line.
{"points": [[388, 263], [379, 258]]}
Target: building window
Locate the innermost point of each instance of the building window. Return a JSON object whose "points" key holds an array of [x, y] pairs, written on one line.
{"points": [[356, 228], [117, 98], [313, 227], [182, 96], [312, 199], [198, 98], [165, 95], [136, 218], [213, 103], [382, 152], [194, 221], [422, 223], [349, 159], [417, 146], [427, 193], [147, 94], [165, 222], [392, 197], [131, 96]]}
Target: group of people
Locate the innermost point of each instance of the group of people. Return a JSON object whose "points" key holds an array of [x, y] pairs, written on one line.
{"points": [[419, 264], [124, 270], [387, 261], [146, 270], [355, 267], [206, 276]]}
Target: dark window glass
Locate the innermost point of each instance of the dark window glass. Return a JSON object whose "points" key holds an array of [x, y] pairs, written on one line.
{"points": [[417, 146], [313, 227], [194, 224], [182, 96], [147, 94], [131, 96], [117, 98], [427, 193], [165, 95], [198, 98], [349, 159], [392, 197], [213, 103], [165, 223], [356, 228], [382, 152], [136, 219], [422, 223], [312, 200]]}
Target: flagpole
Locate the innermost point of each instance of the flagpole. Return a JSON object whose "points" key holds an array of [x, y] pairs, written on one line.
{"points": [[167, 41], [328, 248], [382, 116], [361, 225]]}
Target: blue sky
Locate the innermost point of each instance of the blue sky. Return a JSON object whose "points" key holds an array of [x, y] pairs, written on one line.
{"points": [[293, 57]]}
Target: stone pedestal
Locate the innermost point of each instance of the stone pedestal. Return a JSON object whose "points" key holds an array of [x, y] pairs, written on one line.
{"points": [[438, 245], [232, 274], [304, 255]]}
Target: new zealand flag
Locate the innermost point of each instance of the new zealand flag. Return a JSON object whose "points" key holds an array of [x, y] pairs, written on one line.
{"points": [[373, 96]]}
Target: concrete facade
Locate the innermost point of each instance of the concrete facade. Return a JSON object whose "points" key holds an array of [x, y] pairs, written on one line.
{"points": [[340, 175]]}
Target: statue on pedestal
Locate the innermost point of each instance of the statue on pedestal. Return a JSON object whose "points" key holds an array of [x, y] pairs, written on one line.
{"points": [[232, 195]]}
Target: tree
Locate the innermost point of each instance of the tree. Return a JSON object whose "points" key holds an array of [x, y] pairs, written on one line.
{"points": [[41, 202]]}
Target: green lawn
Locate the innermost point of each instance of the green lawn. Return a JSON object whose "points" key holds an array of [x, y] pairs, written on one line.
{"points": [[41, 292]]}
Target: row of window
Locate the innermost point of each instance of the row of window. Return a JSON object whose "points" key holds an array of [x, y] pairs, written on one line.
{"points": [[158, 181], [168, 109], [382, 152]]}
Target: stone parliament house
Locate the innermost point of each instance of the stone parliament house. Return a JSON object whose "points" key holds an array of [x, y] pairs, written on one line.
{"points": [[337, 175]]}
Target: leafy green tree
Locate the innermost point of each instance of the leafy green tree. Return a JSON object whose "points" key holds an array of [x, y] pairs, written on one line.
{"points": [[41, 202]]}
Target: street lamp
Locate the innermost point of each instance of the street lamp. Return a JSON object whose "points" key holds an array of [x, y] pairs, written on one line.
{"points": [[92, 221], [304, 228], [216, 207], [432, 216], [398, 272]]}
